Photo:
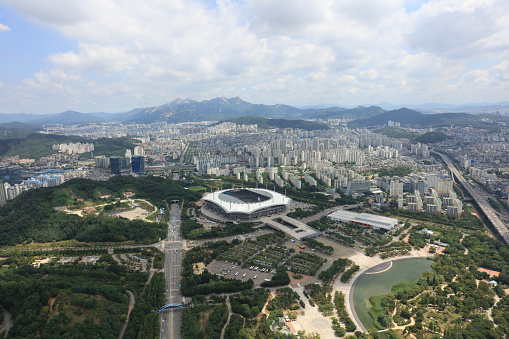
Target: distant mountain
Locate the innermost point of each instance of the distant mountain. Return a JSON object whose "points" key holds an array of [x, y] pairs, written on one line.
{"points": [[21, 117], [410, 118], [278, 123], [188, 110], [352, 113], [65, 118], [215, 109], [68, 118], [404, 116], [20, 125], [219, 109], [483, 108], [322, 106]]}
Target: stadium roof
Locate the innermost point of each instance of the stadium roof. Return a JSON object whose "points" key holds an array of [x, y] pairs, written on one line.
{"points": [[231, 204]]}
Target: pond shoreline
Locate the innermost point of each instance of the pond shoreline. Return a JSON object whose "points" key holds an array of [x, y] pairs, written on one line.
{"points": [[380, 268]]}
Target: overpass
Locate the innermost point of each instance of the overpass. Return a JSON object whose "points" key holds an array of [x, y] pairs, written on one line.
{"points": [[171, 306], [475, 191]]}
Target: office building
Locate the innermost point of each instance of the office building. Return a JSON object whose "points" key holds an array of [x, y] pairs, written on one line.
{"points": [[11, 175], [138, 164], [356, 187], [3, 197], [116, 164]]}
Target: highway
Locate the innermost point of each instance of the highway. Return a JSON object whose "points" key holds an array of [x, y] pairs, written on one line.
{"points": [[499, 222], [171, 319]]}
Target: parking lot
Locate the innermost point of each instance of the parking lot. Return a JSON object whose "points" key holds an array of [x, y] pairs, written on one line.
{"points": [[294, 204], [229, 270]]}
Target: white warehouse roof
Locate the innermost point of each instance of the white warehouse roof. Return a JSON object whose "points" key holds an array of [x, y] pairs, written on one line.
{"points": [[364, 219]]}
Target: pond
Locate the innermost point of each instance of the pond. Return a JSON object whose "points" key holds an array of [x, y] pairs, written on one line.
{"points": [[381, 283]]}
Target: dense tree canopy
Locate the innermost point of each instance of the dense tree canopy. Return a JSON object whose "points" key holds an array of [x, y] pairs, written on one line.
{"points": [[31, 216]]}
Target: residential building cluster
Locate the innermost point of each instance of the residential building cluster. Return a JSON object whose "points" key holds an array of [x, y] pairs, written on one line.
{"points": [[12, 184], [74, 148]]}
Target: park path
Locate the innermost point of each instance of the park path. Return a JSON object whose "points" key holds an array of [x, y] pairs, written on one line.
{"points": [[7, 324], [132, 301], [148, 282], [490, 310], [229, 316]]}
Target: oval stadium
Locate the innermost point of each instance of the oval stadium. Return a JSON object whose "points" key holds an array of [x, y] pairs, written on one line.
{"points": [[244, 204]]}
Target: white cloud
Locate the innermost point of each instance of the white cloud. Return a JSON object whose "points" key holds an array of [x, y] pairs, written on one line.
{"points": [[4, 28], [305, 52], [460, 28], [108, 58]]}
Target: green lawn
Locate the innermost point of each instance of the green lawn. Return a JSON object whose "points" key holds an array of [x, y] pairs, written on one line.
{"points": [[197, 188]]}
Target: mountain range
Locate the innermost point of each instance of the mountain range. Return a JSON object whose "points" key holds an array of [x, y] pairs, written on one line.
{"points": [[221, 109]]}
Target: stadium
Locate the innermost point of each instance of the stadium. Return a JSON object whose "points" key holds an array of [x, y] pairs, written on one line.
{"points": [[244, 204]]}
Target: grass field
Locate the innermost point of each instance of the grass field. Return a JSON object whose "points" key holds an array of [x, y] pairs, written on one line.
{"points": [[197, 188]]}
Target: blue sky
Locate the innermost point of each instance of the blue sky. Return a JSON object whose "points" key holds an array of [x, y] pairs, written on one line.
{"points": [[112, 55]]}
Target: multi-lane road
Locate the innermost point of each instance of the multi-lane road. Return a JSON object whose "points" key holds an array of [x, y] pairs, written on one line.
{"points": [[171, 319], [499, 222]]}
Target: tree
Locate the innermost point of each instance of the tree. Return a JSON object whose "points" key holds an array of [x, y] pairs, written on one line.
{"points": [[254, 311]]}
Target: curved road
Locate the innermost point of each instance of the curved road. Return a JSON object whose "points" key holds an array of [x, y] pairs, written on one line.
{"points": [[132, 301]]}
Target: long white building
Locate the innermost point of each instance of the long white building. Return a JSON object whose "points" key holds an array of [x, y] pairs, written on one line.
{"points": [[364, 219]]}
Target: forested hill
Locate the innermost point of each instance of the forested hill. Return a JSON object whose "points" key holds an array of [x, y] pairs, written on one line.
{"points": [[28, 144], [31, 216], [278, 123]]}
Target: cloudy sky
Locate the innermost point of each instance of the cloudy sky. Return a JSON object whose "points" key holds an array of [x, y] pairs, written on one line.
{"points": [[115, 55]]}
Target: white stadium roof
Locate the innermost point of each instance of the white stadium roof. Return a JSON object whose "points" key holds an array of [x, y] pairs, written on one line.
{"points": [[232, 204]]}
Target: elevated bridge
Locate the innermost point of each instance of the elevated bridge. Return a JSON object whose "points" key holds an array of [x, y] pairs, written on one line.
{"points": [[500, 226], [172, 306]]}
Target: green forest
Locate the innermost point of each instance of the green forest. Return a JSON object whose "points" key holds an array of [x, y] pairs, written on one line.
{"points": [[399, 171], [79, 301], [31, 216], [36, 145]]}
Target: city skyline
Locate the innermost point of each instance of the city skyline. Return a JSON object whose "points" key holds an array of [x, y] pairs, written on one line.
{"points": [[113, 57]]}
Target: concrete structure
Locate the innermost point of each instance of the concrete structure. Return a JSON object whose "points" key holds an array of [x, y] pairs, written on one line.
{"points": [[400, 202], [3, 197], [364, 219], [245, 204], [356, 187], [292, 227], [395, 188]]}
